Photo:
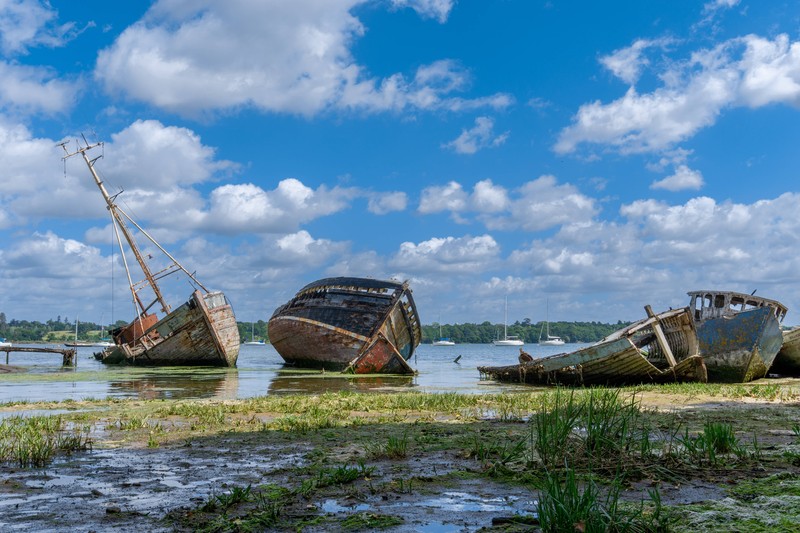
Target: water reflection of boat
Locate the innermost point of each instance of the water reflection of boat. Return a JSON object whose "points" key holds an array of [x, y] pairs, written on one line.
{"points": [[201, 331], [660, 348], [739, 334], [360, 325], [222, 384], [294, 382]]}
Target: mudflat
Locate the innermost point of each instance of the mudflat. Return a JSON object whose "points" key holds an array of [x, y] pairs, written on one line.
{"points": [[663, 458]]}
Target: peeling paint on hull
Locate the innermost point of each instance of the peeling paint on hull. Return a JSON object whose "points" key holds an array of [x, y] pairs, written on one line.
{"points": [[629, 356], [201, 332], [742, 347], [354, 324]]}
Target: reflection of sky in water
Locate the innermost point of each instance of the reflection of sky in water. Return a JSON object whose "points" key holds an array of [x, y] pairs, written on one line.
{"points": [[260, 371]]}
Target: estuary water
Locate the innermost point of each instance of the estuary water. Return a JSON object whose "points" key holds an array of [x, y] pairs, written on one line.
{"points": [[260, 371]]}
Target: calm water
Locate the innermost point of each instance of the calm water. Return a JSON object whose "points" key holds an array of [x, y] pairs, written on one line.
{"points": [[260, 371]]}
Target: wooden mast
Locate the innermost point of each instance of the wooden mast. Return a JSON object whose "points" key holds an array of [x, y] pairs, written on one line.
{"points": [[112, 207]]}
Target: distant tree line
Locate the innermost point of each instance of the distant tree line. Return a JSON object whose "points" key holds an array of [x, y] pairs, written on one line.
{"points": [[54, 329], [61, 328], [526, 330]]}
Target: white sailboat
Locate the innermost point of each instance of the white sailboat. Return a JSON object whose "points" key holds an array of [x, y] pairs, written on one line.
{"points": [[253, 341], [507, 340], [549, 340], [443, 341]]}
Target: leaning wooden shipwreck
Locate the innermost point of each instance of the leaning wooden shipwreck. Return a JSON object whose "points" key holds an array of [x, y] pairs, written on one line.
{"points": [[358, 325], [660, 348], [200, 332], [787, 362], [739, 334]]}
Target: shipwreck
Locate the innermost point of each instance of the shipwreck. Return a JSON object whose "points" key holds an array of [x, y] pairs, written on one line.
{"points": [[739, 334], [660, 348], [200, 332], [358, 325]]}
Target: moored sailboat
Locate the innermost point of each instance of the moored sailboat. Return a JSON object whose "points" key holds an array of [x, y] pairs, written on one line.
{"points": [[201, 331], [507, 340]]}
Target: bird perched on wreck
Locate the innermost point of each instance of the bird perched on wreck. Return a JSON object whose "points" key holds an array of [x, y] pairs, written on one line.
{"points": [[524, 357]]}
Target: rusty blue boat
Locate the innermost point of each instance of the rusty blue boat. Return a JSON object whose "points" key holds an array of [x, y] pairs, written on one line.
{"points": [[739, 334]]}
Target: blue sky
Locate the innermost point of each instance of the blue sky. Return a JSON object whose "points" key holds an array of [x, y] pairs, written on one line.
{"points": [[589, 157]]}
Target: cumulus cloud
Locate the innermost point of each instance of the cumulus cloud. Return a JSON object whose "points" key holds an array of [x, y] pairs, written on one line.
{"points": [[451, 197], [248, 207], [290, 57], [478, 137], [683, 178], [34, 89], [750, 71], [536, 205], [449, 254]]}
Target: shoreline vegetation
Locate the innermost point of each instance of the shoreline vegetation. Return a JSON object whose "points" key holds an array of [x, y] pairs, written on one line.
{"points": [[674, 457], [60, 331]]}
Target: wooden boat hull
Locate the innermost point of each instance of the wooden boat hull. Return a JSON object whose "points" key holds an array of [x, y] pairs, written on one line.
{"points": [[787, 362], [629, 356], [742, 347], [201, 332], [358, 325], [615, 363]]}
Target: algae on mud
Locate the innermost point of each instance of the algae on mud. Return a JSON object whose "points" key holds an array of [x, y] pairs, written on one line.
{"points": [[339, 461]]}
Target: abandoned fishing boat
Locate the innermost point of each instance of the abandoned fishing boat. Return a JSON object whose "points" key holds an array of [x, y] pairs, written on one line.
{"points": [[200, 332], [739, 334], [359, 325], [660, 348], [787, 362]]}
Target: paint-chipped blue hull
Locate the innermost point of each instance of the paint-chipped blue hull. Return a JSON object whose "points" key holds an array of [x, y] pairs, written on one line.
{"points": [[740, 348]]}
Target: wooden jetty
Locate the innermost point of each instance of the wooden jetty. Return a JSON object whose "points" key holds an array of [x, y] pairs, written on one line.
{"points": [[68, 357]]}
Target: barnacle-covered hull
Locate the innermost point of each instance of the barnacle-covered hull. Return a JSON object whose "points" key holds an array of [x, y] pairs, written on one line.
{"points": [[360, 325]]}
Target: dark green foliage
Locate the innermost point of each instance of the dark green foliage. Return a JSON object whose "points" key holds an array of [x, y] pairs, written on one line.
{"points": [[529, 332]]}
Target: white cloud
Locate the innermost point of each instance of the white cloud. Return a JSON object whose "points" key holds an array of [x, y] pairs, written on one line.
{"points": [[286, 57], [34, 89], [249, 208], [480, 136], [536, 205], [28, 23], [751, 71], [449, 254], [451, 197], [627, 63], [383, 203], [489, 198], [437, 9], [683, 178]]}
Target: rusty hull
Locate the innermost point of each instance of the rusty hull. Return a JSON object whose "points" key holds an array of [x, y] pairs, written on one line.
{"points": [[357, 325], [201, 332], [629, 356], [739, 334], [787, 362]]}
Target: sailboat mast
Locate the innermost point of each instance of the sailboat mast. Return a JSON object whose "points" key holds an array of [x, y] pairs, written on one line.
{"points": [[505, 321], [112, 207]]}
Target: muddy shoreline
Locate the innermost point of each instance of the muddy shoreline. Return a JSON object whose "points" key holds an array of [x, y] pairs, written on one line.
{"points": [[177, 465]]}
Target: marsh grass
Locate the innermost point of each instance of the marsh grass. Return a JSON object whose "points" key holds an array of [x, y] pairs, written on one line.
{"points": [[34, 441], [569, 504], [714, 444]]}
